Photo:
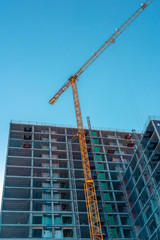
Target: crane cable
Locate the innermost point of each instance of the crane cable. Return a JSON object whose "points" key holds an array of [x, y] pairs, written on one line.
{"points": [[127, 85]]}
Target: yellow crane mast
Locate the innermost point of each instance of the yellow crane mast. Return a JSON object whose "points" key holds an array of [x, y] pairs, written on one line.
{"points": [[89, 187]]}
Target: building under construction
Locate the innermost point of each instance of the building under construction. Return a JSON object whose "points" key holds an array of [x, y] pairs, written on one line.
{"points": [[43, 195]]}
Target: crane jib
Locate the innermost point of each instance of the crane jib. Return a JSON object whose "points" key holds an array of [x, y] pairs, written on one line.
{"points": [[101, 50], [112, 38]]}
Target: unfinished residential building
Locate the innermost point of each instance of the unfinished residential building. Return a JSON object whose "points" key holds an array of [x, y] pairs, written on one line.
{"points": [[142, 183], [43, 194]]}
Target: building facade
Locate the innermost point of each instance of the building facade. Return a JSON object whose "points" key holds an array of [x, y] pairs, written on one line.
{"points": [[142, 183], [43, 194]]}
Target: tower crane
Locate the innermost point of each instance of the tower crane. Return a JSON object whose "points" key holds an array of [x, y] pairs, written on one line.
{"points": [[89, 186]]}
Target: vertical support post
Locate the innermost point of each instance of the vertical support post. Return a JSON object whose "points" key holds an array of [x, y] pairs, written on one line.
{"points": [[99, 181], [51, 179], [31, 184], [89, 187], [74, 191]]}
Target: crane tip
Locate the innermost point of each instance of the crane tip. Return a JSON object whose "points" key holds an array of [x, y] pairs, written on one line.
{"points": [[53, 100]]}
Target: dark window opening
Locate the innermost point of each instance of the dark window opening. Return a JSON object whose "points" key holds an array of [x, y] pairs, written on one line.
{"points": [[27, 129], [68, 233], [27, 137], [37, 233], [67, 220], [37, 220]]}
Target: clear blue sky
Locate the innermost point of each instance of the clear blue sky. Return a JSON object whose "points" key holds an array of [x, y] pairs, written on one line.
{"points": [[43, 43]]}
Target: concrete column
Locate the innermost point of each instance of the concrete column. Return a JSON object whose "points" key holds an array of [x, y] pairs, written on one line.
{"points": [[51, 181], [31, 184]]}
